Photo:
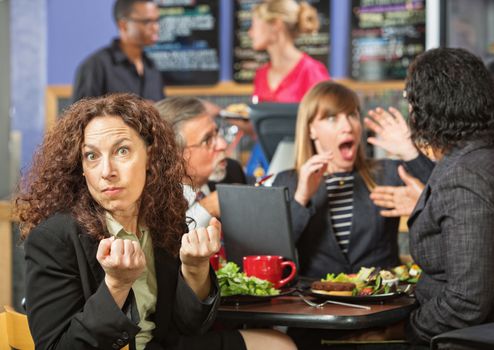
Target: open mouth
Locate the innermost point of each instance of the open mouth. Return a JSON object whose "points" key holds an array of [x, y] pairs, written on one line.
{"points": [[347, 150]]}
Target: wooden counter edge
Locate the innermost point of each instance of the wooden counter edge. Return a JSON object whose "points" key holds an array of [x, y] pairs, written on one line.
{"points": [[223, 88]]}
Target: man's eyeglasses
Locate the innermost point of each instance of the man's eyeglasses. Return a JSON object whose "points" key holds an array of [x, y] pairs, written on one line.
{"points": [[144, 21], [209, 141]]}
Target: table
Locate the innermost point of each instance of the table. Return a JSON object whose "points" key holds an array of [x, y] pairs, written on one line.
{"points": [[293, 312]]}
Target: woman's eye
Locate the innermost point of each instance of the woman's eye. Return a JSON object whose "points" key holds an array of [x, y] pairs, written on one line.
{"points": [[90, 156], [123, 151]]}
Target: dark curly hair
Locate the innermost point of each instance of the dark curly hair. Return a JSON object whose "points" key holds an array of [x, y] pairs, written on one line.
{"points": [[451, 94], [55, 182]]}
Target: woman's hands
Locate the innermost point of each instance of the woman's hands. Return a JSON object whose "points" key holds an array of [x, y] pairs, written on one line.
{"points": [[392, 131], [398, 200], [123, 262], [310, 176], [197, 247]]}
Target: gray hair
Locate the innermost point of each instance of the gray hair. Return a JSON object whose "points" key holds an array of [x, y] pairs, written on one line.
{"points": [[177, 110]]}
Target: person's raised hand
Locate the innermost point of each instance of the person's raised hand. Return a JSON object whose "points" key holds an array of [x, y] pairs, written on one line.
{"points": [[200, 244], [392, 132], [197, 247], [310, 175], [123, 262], [398, 200]]}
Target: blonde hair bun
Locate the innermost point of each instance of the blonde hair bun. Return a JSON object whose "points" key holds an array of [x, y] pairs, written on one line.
{"points": [[308, 19]]}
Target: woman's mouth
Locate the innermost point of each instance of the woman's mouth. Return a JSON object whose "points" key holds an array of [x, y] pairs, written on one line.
{"points": [[347, 150], [112, 191]]}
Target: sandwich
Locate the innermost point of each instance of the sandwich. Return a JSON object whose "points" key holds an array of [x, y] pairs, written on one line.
{"points": [[333, 288]]}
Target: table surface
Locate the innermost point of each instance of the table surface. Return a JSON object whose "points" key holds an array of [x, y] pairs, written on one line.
{"points": [[292, 311]]}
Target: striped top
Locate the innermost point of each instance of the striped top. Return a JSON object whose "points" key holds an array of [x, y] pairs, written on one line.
{"points": [[339, 187]]}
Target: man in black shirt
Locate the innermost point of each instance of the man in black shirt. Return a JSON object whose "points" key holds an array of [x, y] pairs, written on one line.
{"points": [[123, 66]]}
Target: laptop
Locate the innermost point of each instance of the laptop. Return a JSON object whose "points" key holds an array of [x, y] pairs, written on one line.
{"points": [[256, 221]]}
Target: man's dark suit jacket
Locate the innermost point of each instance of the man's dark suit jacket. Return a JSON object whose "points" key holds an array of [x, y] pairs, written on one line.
{"points": [[452, 240], [373, 238], [70, 307]]}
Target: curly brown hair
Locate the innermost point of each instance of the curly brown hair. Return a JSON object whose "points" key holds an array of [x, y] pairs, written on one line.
{"points": [[451, 94], [55, 182]]}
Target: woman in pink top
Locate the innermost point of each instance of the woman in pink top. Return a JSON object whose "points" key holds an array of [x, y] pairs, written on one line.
{"points": [[290, 72]]}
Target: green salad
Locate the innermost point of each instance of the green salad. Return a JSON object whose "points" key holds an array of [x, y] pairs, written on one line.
{"points": [[367, 281], [233, 282]]}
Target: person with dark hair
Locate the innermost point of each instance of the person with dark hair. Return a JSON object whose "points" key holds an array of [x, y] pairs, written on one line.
{"points": [[102, 213], [451, 102], [451, 97], [123, 66]]}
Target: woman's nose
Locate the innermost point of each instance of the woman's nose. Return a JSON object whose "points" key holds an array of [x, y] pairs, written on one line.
{"points": [[107, 170], [345, 123]]}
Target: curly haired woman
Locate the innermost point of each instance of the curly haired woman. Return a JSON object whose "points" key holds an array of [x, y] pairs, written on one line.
{"points": [[103, 214]]}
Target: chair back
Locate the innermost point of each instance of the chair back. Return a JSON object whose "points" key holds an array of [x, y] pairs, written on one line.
{"points": [[273, 122], [4, 344], [15, 333], [18, 333]]}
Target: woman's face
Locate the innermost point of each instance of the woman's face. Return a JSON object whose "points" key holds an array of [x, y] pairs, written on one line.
{"points": [[340, 134], [261, 33], [114, 161]]}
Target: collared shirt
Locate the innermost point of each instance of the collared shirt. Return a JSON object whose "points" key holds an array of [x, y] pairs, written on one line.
{"points": [[145, 287], [109, 70], [196, 211]]}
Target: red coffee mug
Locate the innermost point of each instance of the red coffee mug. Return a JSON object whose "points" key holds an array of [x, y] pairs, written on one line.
{"points": [[214, 260], [269, 267]]}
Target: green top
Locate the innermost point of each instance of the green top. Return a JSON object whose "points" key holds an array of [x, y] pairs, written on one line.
{"points": [[145, 288]]}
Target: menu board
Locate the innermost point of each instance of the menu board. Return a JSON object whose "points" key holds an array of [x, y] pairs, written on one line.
{"points": [[246, 60], [187, 52], [386, 37]]}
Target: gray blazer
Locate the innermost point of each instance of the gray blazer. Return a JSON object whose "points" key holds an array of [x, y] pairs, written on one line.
{"points": [[373, 238], [452, 239]]}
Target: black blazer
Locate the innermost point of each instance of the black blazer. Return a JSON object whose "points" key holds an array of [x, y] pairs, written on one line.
{"points": [[452, 239], [373, 238], [70, 307]]}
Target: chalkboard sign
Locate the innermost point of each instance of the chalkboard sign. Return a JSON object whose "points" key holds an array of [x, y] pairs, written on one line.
{"points": [[187, 50], [386, 37], [246, 60]]}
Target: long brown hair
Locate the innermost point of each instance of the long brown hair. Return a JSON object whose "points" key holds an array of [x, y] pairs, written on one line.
{"points": [[55, 182], [328, 98]]}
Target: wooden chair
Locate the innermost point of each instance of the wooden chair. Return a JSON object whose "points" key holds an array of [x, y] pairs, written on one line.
{"points": [[15, 333], [18, 334], [4, 343]]}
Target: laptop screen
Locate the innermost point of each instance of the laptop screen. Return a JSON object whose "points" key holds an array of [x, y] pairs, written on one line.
{"points": [[256, 221]]}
